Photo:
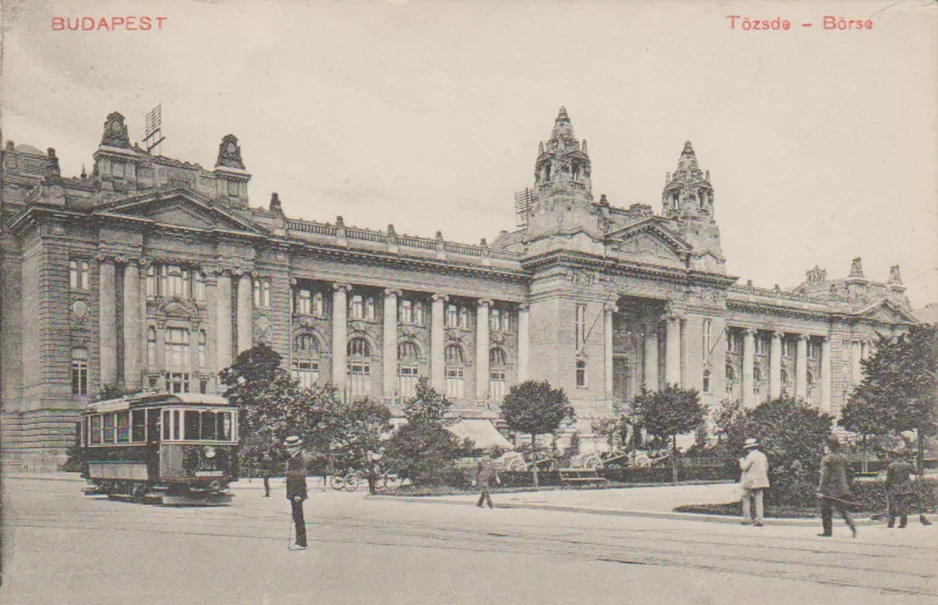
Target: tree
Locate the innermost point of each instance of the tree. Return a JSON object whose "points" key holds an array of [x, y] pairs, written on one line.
{"points": [[534, 408], [358, 431], [668, 413], [271, 404], [423, 450], [899, 388], [792, 434]]}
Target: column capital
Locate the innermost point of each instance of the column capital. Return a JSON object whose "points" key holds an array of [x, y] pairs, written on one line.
{"points": [[294, 282], [803, 337], [389, 292], [144, 262], [778, 334], [747, 331], [524, 306], [675, 317], [339, 287], [485, 302], [439, 297], [611, 307]]}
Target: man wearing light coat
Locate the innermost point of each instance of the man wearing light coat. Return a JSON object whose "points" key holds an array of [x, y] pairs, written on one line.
{"points": [[754, 480]]}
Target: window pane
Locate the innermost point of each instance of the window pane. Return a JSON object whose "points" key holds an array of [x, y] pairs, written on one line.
{"points": [[109, 421], [139, 426], [192, 425], [224, 426], [166, 425], [177, 422], [96, 429], [208, 425], [123, 427]]}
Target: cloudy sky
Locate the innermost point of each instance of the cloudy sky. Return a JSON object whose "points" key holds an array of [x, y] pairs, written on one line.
{"points": [[822, 145]]}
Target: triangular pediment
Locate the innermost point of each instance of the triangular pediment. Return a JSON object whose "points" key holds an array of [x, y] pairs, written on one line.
{"points": [[887, 312], [179, 208], [648, 242]]}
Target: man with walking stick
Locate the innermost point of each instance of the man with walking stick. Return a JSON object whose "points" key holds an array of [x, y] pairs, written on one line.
{"points": [[297, 463], [834, 488]]}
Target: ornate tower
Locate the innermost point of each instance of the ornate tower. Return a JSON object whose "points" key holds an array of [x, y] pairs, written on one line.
{"points": [[688, 200], [562, 186]]}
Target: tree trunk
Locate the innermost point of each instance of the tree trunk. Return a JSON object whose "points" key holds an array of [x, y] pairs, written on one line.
{"points": [[920, 457], [674, 457], [534, 457]]}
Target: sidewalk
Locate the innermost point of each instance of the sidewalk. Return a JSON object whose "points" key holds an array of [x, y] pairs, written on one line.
{"points": [[650, 502]]}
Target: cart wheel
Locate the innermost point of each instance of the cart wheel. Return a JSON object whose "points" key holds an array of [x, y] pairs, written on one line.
{"points": [[337, 482], [352, 480]]}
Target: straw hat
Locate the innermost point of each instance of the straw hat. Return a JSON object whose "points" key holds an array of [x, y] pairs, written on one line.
{"points": [[750, 443], [293, 441]]}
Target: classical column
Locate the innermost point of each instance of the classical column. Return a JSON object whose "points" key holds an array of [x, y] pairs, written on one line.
{"points": [[608, 311], [437, 342], [389, 342], [857, 355], [223, 321], [749, 359], [131, 325], [339, 334], [107, 325], [651, 357], [245, 314], [825, 378], [482, 349], [524, 317], [672, 369], [801, 367], [775, 366]]}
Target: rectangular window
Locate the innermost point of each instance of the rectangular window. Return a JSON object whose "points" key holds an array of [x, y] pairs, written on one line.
{"points": [[151, 281], [707, 337], [85, 276], [581, 373], [405, 312], [123, 427], [418, 313], [177, 422], [359, 379], [357, 307], [580, 326], [407, 380], [455, 385], [177, 382], [318, 307], [497, 385], [495, 320], [139, 426], [303, 303], [192, 423], [732, 342], [814, 350], [788, 347], [452, 316], [199, 278], [464, 318], [109, 426], [759, 343], [79, 371], [209, 426], [223, 426], [177, 350], [370, 308], [96, 426], [306, 372], [167, 425]]}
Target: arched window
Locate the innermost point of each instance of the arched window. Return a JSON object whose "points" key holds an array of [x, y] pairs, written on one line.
{"points": [[79, 371], [706, 380], [306, 360], [408, 368], [581, 373], [79, 275], [359, 367], [498, 364], [757, 380], [786, 382], [455, 387]]}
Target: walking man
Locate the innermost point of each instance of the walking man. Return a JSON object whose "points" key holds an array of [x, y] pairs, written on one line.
{"points": [[297, 463], [267, 467], [834, 488], [899, 489], [754, 480], [485, 473]]}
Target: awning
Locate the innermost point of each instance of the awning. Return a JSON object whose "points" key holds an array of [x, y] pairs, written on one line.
{"points": [[481, 432]]}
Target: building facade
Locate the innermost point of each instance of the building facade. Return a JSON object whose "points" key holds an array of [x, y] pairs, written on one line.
{"points": [[152, 272]]}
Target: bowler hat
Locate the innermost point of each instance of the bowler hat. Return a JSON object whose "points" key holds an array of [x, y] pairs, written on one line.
{"points": [[750, 443], [293, 441]]}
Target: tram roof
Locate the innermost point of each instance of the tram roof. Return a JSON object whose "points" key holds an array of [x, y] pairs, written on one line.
{"points": [[153, 399]]}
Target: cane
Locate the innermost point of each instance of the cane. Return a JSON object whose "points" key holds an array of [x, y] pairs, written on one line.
{"points": [[290, 535]]}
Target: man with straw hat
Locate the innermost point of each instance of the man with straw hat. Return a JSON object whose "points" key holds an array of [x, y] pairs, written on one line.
{"points": [[296, 486], [754, 480]]}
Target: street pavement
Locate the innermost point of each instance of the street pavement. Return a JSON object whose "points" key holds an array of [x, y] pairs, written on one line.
{"points": [[61, 547]]}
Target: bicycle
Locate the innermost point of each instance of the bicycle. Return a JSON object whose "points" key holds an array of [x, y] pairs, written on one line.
{"points": [[349, 481]]}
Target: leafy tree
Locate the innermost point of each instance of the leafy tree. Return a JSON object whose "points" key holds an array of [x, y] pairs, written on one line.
{"points": [[271, 404], [534, 408], [358, 432], [899, 391], [792, 434], [423, 450], [668, 413]]}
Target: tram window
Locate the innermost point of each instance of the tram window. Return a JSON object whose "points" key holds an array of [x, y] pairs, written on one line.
{"points": [[192, 425], [123, 427], [176, 424], [95, 429], [109, 428], [224, 426], [166, 425], [208, 425], [139, 431]]}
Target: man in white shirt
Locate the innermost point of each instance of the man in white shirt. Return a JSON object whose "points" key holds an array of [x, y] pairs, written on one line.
{"points": [[754, 480]]}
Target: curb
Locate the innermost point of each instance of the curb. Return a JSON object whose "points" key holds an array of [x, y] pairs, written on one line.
{"points": [[619, 512]]}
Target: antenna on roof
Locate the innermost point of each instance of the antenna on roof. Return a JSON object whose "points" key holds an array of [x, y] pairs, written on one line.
{"points": [[154, 135], [523, 201]]}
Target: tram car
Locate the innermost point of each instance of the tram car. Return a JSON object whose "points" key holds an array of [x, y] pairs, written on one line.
{"points": [[161, 448]]}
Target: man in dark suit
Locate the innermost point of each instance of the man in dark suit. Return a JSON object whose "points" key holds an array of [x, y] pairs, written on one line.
{"points": [[297, 463], [485, 474], [899, 486], [834, 488]]}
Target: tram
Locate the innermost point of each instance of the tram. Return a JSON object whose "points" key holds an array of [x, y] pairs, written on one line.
{"points": [[161, 448]]}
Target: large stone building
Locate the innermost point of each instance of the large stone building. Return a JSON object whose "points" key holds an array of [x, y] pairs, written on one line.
{"points": [[152, 272]]}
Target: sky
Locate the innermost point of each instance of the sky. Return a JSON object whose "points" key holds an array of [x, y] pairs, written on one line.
{"points": [[822, 144]]}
